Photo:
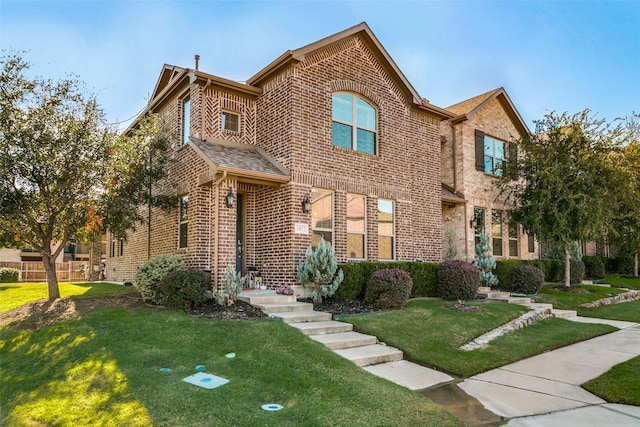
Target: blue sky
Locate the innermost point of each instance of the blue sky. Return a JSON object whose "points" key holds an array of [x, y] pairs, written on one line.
{"points": [[562, 56]]}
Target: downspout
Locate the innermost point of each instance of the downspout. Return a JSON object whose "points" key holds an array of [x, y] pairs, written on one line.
{"points": [[217, 212]]}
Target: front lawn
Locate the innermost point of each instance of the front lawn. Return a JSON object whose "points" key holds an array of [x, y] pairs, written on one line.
{"points": [[14, 295], [624, 282], [430, 334], [619, 384], [104, 369], [628, 311]]}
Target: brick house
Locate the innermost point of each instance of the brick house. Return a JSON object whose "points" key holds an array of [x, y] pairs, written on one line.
{"points": [[474, 142], [329, 140]]}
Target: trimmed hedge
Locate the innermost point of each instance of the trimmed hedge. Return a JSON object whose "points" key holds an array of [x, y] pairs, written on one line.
{"points": [[388, 288], [458, 280], [594, 267], [622, 264], [527, 279], [423, 275], [9, 275], [183, 289]]}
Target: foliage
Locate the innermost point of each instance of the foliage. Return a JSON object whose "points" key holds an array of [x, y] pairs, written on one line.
{"points": [[577, 272], [485, 262], [621, 264], [557, 252], [319, 271], [425, 277], [450, 248], [183, 289], [9, 275], [561, 181], [457, 280], [63, 170], [388, 288], [353, 283], [148, 277], [594, 267], [552, 268], [232, 283], [527, 279], [504, 272]]}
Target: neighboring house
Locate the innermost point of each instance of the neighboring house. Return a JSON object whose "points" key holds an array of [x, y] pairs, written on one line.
{"points": [[328, 141], [474, 143]]}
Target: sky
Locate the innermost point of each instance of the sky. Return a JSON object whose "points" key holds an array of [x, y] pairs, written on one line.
{"points": [[548, 55]]}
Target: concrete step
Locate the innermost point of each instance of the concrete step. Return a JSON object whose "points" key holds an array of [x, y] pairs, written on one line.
{"points": [[326, 327], [483, 289], [342, 340], [563, 314], [513, 300], [539, 305], [370, 354], [262, 297], [301, 316], [281, 307]]}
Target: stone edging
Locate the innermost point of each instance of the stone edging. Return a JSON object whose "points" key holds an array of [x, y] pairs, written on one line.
{"points": [[627, 296], [524, 320]]}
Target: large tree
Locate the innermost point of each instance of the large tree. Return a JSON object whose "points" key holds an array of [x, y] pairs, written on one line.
{"points": [[561, 181], [63, 170]]}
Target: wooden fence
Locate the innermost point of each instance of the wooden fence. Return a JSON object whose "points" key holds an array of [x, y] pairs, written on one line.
{"points": [[33, 271]]}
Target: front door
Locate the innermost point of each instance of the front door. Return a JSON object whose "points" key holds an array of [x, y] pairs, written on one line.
{"points": [[240, 233]]}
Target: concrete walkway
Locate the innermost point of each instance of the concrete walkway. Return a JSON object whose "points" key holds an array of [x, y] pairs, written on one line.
{"points": [[545, 389]]}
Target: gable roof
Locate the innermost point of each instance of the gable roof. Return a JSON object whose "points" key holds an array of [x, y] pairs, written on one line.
{"points": [[466, 109], [243, 160], [362, 30]]}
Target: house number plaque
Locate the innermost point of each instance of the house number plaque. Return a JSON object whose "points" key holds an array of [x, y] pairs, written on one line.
{"points": [[301, 228]]}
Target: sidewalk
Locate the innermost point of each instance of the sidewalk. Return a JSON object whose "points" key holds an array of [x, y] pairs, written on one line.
{"points": [[545, 389]]}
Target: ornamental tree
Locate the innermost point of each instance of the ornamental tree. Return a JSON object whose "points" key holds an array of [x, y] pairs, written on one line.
{"points": [[319, 271], [561, 184], [485, 262], [63, 170]]}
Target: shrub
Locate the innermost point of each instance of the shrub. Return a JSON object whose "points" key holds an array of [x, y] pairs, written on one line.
{"points": [[552, 268], [424, 276], [527, 279], [593, 267], [485, 262], [388, 288], [148, 277], [457, 280], [621, 264], [450, 249], [504, 272], [9, 275], [232, 282], [183, 289], [577, 272], [353, 284], [319, 271]]}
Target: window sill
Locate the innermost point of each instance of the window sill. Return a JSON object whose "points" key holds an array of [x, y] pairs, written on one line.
{"points": [[360, 153]]}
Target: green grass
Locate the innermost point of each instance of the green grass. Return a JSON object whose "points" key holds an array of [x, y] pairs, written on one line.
{"points": [[14, 295], [572, 298], [628, 311], [103, 369], [618, 385], [625, 282], [430, 334]]}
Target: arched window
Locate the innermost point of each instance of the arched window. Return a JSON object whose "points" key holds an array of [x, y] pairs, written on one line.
{"points": [[354, 123]]}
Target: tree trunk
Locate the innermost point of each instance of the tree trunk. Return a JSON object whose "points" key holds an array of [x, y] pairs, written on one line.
{"points": [[635, 264], [567, 268], [52, 280]]}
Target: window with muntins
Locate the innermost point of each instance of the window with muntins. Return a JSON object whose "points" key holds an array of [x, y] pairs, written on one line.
{"points": [[356, 236], [230, 121], [321, 216], [479, 220], [186, 119], [496, 232], [183, 220], [493, 155], [354, 123], [513, 239], [386, 230]]}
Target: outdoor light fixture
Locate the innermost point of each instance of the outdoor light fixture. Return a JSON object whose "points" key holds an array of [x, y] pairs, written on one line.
{"points": [[473, 223], [306, 204], [228, 199]]}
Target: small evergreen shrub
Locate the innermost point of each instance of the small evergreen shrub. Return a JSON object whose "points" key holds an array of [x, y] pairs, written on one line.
{"points": [[353, 284], [552, 268], [424, 276], [505, 272], [9, 275], [621, 264], [527, 279], [148, 277], [183, 289], [457, 281], [233, 282], [388, 288], [593, 267], [485, 262], [319, 271]]}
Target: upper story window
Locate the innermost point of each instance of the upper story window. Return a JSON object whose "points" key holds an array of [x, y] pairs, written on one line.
{"points": [[354, 123], [230, 121], [186, 119], [386, 230], [490, 154], [321, 216], [183, 222]]}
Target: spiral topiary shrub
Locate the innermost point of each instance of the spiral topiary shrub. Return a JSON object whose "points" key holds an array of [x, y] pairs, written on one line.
{"points": [[527, 279], [183, 289], [148, 277], [9, 275], [457, 281], [388, 288]]}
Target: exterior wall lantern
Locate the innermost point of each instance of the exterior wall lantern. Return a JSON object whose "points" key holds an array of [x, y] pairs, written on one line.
{"points": [[473, 223], [228, 199], [306, 204]]}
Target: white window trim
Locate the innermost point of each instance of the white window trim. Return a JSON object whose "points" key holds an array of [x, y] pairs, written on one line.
{"points": [[235, 113], [354, 126], [185, 130], [333, 215], [181, 222], [392, 235], [364, 233]]}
